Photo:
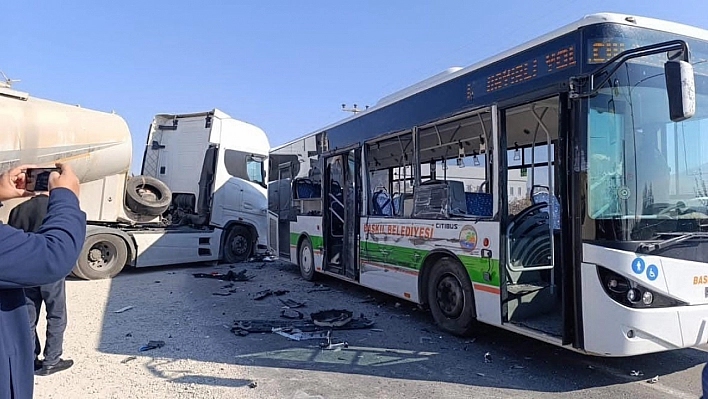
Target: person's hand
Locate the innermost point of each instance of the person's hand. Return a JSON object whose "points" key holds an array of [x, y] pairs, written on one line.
{"points": [[67, 179], [12, 183]]}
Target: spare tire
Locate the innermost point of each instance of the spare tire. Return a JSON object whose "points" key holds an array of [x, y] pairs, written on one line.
{"points": [[147, 195]]}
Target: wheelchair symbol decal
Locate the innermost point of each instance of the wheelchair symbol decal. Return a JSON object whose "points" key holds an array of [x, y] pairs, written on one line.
{"points": [[652, 272]]}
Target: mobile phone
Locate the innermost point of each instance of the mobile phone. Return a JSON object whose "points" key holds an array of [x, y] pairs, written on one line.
{"points": [[37, 179]]}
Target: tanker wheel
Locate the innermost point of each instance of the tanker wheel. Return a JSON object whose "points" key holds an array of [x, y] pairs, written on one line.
{"points": [[102, 256]]}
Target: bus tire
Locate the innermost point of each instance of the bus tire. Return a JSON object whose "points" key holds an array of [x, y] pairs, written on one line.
{"points": [[237, 245], [306, 260], [102, 256], [450, 297], [147, 195]]}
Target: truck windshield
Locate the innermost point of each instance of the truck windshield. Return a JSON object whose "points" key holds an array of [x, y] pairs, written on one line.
{"points": [[646, 175]]}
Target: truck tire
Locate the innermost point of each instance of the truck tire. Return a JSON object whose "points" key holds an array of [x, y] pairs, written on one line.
{"points": [[450, 297], [147, 195], [102, 256], [238, 245]]}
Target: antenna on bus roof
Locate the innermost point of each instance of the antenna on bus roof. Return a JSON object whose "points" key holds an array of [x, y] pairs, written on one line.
{"points": [[354, 110], [7, 82]]}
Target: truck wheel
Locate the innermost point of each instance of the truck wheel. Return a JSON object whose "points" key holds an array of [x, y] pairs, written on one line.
{"points": [[237, 245], [146, 195], [306, 260], [450, 297], [102, 256]]}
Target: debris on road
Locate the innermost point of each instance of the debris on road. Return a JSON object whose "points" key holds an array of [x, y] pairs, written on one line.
{"points": [[636, 373], [331, 345], [121, 310], [654, 380], [230, 276], [266, 293], [152, 345], [291, 314], [331, 318], [517, 367], [221, 293], [319, 288], [297, 335], [253, 384], [377, 330], [244, 327], [487, 357], [292, 304], [128, 359]]}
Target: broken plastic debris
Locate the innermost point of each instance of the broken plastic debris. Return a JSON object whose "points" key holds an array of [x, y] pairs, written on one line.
{"points": [[121, 310], [636, 373], [487, 357], [230, 276], [377, 330], [253, 384], [152, 345], [481, 374], [654, 380]]}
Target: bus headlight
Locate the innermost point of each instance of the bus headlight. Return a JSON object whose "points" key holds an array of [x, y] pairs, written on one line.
{"points": [[632, 294]]}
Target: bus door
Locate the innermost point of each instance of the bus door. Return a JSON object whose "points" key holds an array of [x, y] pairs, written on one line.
{"points": [[532, 279], [341, 203]]}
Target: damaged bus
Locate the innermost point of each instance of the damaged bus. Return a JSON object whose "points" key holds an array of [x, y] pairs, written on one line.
{"points": [[555, 190]]}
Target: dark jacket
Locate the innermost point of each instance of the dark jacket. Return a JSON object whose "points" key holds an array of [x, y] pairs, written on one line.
{"points": [[29, 260]]}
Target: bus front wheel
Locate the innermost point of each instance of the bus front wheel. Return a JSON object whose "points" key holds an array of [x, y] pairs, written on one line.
{"points": [[450, 297], [306, 261]]}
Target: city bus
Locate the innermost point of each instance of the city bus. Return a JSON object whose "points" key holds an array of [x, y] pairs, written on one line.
{"points": [[555, 190]]}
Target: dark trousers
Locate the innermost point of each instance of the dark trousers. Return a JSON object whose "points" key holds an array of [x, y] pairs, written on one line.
{"points": [[54, 296]]}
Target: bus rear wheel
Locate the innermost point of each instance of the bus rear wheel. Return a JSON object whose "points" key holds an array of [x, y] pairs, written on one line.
{"points": [[306, 261], [450, 297]]}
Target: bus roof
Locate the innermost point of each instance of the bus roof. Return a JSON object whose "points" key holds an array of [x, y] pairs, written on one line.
{"points": [[451, 73]]}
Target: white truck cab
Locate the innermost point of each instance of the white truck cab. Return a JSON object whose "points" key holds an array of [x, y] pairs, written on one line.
{"points": [[201, 195]]}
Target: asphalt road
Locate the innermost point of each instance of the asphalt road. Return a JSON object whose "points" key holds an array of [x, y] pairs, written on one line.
{"points": [[404, 356]]}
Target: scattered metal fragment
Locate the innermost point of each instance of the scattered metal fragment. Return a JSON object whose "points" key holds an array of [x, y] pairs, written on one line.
{"points": [[636, 373], [121, 310], [487, 357], [297, 335], [230, 276], [654, 380], [243, 327]]}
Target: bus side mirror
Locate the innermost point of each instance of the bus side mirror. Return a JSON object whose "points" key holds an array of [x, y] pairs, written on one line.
{"points": [[681, 88]]}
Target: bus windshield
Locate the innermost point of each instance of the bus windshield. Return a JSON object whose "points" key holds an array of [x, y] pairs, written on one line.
{"points": [[646, 175]]}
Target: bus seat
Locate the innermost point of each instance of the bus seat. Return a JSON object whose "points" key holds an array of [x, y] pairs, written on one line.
{"points": [[382, 203], [543, 198], [479, 204], [305, 188], [458, 204]]}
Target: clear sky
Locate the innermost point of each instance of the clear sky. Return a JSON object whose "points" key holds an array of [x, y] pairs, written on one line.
{"points": [[285, 66]]}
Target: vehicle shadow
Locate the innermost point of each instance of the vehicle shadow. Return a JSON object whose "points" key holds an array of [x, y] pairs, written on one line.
{"points": [[404, 344]]}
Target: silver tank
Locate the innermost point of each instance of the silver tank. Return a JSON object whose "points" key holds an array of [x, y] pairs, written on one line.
{"points": [[35, 131]]}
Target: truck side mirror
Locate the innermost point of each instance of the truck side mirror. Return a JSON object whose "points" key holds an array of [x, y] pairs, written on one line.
{"points": [[681, 89]]}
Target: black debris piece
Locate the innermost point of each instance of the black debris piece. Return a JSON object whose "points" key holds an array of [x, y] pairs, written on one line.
{"points": [[221, 293], [253, 384], [262, 294], [152, 345], [280, 292], [230, 276]]}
